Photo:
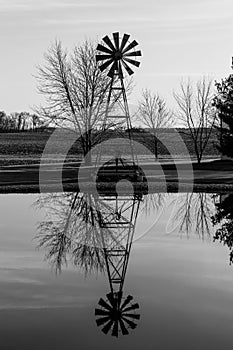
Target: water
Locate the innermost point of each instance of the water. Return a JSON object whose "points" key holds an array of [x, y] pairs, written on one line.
{"points": [[179, 276]]}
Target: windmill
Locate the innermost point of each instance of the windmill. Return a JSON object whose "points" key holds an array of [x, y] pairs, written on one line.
{"points": [[117, 57]]}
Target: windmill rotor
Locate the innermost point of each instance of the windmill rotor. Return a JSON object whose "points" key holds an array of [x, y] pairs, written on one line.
{"points": [[117, 53], [117, 314]]}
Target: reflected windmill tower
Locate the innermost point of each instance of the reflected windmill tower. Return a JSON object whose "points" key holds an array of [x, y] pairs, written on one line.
{"points": [[117, 57], [117, 314]]}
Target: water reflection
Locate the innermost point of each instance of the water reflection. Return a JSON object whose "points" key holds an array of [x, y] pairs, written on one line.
{"points": [[96, 233]]}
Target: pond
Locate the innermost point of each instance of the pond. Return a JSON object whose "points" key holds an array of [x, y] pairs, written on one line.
{"points": [[135, 272]]}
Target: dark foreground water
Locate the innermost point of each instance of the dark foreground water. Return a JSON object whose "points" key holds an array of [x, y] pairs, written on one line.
{"points": [[179, 276]]}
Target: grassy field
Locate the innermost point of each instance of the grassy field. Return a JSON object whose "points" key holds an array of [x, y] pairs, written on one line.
{"points": [[27, 147]]}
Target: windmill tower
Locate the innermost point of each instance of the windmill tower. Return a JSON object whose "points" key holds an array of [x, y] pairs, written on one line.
{"points": [[117, 221], [116, 57]]}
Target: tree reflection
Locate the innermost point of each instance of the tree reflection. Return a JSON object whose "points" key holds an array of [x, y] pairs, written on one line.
{"points": [[153, 202], [224, 218], [70, 231], [194, 213]]}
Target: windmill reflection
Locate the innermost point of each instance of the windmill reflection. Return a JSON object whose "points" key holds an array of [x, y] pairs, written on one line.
{"points": [[117, 313], [95, 233]]}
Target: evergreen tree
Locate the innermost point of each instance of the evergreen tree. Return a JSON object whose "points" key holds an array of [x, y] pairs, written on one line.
{"points": [[223, 102]]}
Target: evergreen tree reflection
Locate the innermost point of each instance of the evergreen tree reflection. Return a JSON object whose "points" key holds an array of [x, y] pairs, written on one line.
{"points": [[224, 219]]}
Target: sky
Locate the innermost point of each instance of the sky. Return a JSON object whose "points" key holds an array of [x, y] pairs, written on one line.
{"points": [[178, 39]]}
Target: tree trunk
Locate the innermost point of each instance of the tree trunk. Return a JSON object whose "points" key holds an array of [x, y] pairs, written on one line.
{"points": [[155, 147]]}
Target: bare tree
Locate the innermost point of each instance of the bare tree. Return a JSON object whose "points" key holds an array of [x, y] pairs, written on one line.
{"points": [[196, 112], [75, 91], [153, 113]]}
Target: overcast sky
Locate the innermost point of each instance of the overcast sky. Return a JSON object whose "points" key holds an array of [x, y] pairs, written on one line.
{"points": [[178, 38]]}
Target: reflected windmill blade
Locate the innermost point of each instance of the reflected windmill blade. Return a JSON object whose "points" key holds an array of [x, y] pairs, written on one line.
{"points": [[100, 312], [115, 329], [124, 41], [112, 69], [127, 68], [108, 42], [103, 49], [134, 316], [105, 65], [130, 46], [132, 324], [123, 328], [107, 327], [111, 299], [131, 307], [102, 57], [101, 321], [116, 40], [135, 63], [126, 301], [104, 304], [134, 53]]}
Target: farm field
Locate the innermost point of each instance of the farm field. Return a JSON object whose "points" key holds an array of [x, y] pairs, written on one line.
{"points": [[27, 147]]}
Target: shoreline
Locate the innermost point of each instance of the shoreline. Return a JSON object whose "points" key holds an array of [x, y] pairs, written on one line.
{"points": [[212, 176]]}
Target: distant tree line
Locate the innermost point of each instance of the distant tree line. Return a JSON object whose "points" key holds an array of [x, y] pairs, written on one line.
{"points": [[19, 121]]}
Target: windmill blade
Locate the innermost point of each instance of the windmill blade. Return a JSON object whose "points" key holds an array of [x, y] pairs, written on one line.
{"points": [[105, 65], [101, 312], [131, 307], [123, 328], [107, 327], [135, 63], [116, 40], [120, 74], [134, 53], [134, 316], [102, 57], [126, 301], [108, 42], [130, 46], [112, 69], [127, 68], [115, 329], [104, 304], [101, 321], [132, 324], [124, 41], [103, 49]]}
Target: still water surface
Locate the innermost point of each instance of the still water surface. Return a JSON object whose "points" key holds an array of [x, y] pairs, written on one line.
{"points": [[180, 277]]}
